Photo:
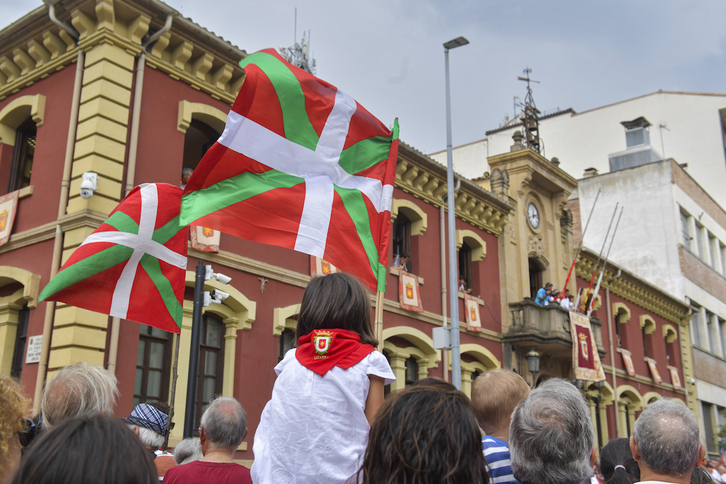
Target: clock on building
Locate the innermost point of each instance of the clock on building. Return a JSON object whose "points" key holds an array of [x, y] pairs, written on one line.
{"points": [[533, 215]]}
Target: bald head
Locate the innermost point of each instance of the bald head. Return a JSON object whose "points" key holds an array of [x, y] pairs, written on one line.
{"points": [[225, 423], [666, 436]]}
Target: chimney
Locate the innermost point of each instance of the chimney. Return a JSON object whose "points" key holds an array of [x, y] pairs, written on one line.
{"points": [[637, 146], [590, 172]]}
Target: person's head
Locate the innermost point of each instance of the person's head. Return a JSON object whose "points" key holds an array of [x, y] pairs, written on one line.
{"points": [[551, 436], [494, 396], [78, 390], [617, 464], [85, 450], [149, 423], [188, 450], [12, 421], [405, 256], [337, 301], [186, 175], [548, 286], [665, 439], [425, 434], [223, 425]]}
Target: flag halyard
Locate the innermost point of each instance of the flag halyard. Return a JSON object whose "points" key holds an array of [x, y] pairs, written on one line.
{"points": [[318, 160]]}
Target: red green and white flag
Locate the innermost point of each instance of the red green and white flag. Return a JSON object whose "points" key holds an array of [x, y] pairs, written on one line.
{"points": [[134, 265], [300, 165]]}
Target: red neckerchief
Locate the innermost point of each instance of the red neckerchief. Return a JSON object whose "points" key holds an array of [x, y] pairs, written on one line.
{"points": [[323, 349]]}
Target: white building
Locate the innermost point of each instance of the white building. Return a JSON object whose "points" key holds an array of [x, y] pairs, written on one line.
{"points": [[672, 234], [688, 127]]}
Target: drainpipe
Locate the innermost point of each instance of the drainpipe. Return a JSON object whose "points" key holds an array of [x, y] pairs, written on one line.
{"points": [[442, 244], [612, 349], [65, 186], [131, 166]]}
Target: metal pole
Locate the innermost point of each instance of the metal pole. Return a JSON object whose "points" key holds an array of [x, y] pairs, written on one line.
{"points": [[453, 266], [189, 412]]}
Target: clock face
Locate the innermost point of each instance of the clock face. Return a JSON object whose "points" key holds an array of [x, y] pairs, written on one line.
{"points": [[533, 215]]}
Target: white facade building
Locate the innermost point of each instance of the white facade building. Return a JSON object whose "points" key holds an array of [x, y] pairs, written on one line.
{"points": [[673, 235], [688, 127]]}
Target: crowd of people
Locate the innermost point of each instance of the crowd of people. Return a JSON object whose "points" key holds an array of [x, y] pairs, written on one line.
{"points": [[547, 295], [328, 421]]}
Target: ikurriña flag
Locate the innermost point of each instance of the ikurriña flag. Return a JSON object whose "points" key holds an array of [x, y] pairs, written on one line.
{"points": [[134, 265], [300, 165]]}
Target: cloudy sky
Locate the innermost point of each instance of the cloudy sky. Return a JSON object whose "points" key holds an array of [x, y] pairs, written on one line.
{"points": [[389, 55]]}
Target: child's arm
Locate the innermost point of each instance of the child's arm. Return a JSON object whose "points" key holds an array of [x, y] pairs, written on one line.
{"points": [[375, 397]]}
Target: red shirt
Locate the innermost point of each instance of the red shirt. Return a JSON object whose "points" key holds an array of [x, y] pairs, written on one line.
{"points": [[199, 472]]}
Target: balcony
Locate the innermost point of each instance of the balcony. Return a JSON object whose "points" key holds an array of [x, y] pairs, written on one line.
{"points": [[547, 328]]}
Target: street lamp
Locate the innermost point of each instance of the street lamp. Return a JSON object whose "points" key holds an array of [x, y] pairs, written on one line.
{"points": [[533, 364], [453, 266]]}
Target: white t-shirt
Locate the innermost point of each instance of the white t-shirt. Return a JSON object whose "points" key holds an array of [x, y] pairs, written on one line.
{"points": [[314, 428]]}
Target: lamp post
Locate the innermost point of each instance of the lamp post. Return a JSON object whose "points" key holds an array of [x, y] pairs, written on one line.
{"points": [[453, 266], [533, 364]]}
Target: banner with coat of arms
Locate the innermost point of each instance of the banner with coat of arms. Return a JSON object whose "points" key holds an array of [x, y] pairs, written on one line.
{"points": [[585, 359], [628, 361], [473, 319], [652, 364], [205, 239], [408, 293], [675, 378], [8, 207], [321, 267]]}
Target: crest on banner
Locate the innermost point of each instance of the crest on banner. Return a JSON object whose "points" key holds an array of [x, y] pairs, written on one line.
{"points": [[473, 318], [408, 293], [205, 239], [585, 359]]}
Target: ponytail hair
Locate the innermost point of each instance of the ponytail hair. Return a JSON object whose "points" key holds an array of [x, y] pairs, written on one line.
{"points": [[617, 464]]}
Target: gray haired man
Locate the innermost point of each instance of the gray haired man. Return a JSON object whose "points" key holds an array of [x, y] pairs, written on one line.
{"points": [[665, 443], [221, 431], [551, 436], [78, 390]]}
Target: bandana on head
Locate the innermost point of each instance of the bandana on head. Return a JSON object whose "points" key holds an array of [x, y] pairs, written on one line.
{"points": [[322, 349], [148, 417]]}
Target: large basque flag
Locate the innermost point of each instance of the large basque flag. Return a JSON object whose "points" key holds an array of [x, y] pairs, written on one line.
{"points": [[300, 165], [133, 266]]}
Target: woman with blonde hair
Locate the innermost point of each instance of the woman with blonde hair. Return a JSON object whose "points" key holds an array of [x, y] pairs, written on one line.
{"points": [[12, 425]]}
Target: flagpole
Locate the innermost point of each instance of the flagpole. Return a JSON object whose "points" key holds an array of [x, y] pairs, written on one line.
{"points": [[594, 271], [174, 374], [189, 413], [379, 319], [599, 280], [579, 246]]}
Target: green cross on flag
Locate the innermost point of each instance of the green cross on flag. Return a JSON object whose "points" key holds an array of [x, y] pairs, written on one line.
{"points": [[134, 265], [300, 165]]}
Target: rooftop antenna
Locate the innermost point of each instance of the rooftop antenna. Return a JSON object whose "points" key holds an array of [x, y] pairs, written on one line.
{"points": [[531, 115], [299, 54]]}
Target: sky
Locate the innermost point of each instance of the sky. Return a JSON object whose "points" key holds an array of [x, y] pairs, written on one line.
{"points": [[389, 55]]}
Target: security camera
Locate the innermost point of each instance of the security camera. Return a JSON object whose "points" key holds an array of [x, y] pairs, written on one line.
{"points": [[219, 295], [209, 274], [693, 381], [89, 184]]}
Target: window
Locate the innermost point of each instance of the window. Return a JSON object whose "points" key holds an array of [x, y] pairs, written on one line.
{"points": [[465, 264], [198, 139], [722, 328], [699, 240], [645, 342], [712, 248], [411, 371], [723, 259], [402, 238], [696, 325], [20, 339], [535, 277], [153, 360], [709, 332], [708, 426], [211, 363], [287, 341], [22, 166], [685, 231]]}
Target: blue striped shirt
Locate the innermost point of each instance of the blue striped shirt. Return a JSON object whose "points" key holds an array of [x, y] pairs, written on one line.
{"points": [[499, 463]]}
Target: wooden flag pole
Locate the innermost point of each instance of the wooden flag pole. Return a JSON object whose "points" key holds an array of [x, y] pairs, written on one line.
{"points": [[379, 319], [174, 374]]}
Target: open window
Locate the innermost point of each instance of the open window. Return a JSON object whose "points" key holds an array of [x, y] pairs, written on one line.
{"points": [[401, 241], [647, 327], [19, 122], [535, 277], [472, 248], [621, 314], [408, 221], [202, 125]]}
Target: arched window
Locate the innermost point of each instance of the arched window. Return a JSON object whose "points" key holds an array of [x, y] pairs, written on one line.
{"points": [[23, 153], [465, 268], [198, 139], [153, 361], [411, 371], [211, 362], [401, 238], [287, 341]]}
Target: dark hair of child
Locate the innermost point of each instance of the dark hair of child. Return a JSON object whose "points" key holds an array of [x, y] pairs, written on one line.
{"points": [[87, 450], [617, 454], [336, 301], [425, 434]]}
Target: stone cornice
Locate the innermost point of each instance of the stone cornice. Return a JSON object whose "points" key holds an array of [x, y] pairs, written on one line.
{"points": [[636, 290], [425, 179], [33, 47]]}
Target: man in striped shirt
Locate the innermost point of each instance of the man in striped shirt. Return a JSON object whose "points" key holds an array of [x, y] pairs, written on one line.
{"points": [[494, 395]]}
